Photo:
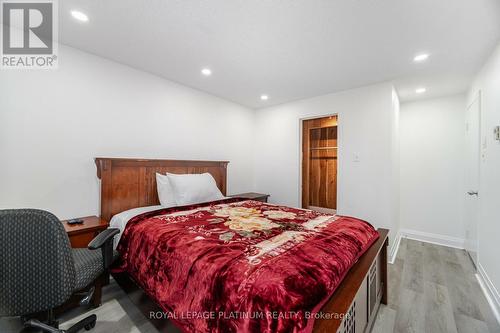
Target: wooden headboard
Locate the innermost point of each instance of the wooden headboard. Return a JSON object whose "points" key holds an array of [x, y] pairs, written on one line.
{"points": [[129, 183]]}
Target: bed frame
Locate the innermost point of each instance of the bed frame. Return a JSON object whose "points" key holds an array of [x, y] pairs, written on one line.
{"points": [[129, 183]]}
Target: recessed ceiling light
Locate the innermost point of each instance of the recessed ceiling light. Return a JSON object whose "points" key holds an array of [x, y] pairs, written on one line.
{"points": [[79, 16], [206, 71], [420, 90], [264, 97], [421, 57]]}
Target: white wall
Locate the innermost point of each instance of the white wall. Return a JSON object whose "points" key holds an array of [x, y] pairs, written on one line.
{"points": [[432, 166], [53, 124], [367, 128], [488, 82]]}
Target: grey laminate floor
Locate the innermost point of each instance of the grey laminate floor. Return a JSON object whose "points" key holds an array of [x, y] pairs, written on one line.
{"points": [[432, 289], [117, 314]]}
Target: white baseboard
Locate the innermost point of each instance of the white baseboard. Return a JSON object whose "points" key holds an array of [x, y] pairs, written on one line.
{"points": [[394, 248], [489, 291], [433, 238]]}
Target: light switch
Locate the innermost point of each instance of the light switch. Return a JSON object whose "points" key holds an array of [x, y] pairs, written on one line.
{"points": [[355, 158], [496, 131]]}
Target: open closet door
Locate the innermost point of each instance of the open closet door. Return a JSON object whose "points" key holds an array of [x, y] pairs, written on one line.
{"points": [[319, 164]]}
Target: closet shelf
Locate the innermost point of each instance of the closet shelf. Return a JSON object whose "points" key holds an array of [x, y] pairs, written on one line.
{"points": [[322, 148], [322, 127]]}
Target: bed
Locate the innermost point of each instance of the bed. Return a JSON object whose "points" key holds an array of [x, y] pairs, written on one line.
{"points": [[204, 269]]}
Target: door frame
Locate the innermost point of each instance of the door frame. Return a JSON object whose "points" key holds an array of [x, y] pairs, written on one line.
{"points": [[339, 150]]}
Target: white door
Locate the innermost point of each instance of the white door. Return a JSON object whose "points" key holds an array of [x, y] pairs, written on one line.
{"points": [[473, 151]]}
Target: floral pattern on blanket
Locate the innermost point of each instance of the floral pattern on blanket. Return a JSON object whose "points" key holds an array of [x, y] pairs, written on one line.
{"points": [[234, 256]]}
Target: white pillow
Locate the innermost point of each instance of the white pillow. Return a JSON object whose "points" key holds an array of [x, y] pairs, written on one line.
{"points": [[194, 188], [165, 191]]}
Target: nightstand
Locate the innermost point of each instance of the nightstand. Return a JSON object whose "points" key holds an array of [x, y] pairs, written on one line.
{"points": [[252, 196], [80, 235]]}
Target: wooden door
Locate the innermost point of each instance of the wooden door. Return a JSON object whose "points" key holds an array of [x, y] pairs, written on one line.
{"points": [[319, 163]]}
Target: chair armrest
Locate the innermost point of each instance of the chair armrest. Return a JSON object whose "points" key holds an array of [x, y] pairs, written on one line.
{"points": [[103, 237], [104, 241]]}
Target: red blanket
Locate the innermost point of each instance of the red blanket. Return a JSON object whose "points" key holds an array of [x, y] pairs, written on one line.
{"points": [[241, 266]]}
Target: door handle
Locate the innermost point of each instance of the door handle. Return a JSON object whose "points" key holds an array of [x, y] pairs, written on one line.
{"points": [[473, 193]]}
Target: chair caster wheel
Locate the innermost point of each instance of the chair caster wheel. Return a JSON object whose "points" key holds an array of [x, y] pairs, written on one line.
{"points": [[89, 326]]}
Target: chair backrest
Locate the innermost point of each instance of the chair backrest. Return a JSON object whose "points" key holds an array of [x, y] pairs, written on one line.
{"points": [[37, 271]]}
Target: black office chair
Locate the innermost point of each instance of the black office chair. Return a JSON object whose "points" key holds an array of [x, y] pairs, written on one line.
{"points": [[39, 270]]}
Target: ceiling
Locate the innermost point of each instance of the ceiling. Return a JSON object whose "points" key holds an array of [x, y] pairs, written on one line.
{"points": [[291, 49]]}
